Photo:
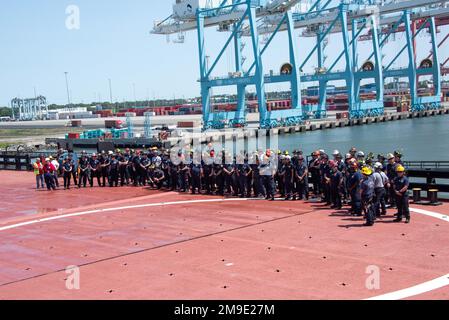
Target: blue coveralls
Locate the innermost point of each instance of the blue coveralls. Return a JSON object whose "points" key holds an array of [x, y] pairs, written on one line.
{"points": [[336, 181], [195, 170], [287, 173], [302, 186], [367, 188], [354, 191], [402, 200]]}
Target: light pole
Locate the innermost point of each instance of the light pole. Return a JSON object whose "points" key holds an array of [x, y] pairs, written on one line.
{"points": [[67, 86], [110, 90], [134, 91]]}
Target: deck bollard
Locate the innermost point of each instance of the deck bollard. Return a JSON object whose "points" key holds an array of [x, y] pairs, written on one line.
{"points": [[417, 195], [433, 196]]}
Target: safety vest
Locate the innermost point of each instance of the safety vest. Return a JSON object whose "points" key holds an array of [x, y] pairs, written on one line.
{"points": [[37, 168]]}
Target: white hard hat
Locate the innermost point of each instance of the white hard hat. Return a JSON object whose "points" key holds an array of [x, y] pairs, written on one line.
{"points": [[360, 154], [110, 153], [47, 159], [288, 157], [378, 165], [336, 153], [348, 156]]}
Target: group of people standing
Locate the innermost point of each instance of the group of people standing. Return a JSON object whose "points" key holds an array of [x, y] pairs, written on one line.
{"points": [[356, 180], [368, 185]]}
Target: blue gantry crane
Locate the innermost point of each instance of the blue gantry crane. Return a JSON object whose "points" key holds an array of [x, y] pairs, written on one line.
{"points": [[375, 20]]}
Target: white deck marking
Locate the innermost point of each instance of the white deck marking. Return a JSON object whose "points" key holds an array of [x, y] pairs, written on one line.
{"points": [[415, 290], [83, 213], [423, 287], [396, 295]]}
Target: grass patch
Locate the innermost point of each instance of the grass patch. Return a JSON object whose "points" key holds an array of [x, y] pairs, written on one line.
{"points": [[13, 133]]}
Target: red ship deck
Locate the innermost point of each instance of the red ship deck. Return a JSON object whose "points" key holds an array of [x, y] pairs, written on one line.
{"points": [[135, 243]]}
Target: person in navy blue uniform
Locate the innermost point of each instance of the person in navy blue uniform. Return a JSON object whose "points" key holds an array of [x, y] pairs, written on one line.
{"points": [[301, 179], [83, 165], [367, 195], [400, 185], [314, 169], [113, 171], [243, 173], [278, 178], [67, 172], [196, 172], [391, 174], [158, 177], [174, 179], [256, 184], [94, 167], [135, 168], [336, 181], [287, 174], [74, 168], [325, 173], [354, 188], [144, 165], [183, 174], [104, 164], [219, 176], [267, 169], [208, 172], [123, 159]]}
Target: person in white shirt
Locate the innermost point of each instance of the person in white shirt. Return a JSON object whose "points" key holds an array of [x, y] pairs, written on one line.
{"points": [[55, 163], [380, 186]]}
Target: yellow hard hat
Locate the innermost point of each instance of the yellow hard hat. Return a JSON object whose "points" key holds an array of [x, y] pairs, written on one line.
{"points": [[367, 171], [400, 169]]}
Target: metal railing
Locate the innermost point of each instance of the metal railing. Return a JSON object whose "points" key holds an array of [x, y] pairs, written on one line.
{"points": [[427, 164]]}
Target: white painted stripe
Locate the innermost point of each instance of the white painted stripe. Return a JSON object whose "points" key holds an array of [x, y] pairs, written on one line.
{"points": [[430, 214], [77, 214], [401, 294], [423, 287], [416, 290]]}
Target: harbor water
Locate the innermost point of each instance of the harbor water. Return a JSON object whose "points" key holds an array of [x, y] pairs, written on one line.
{"points": [[419, 139]]}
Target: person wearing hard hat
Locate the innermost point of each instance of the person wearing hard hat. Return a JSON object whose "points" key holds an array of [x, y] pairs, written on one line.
{"points": [[380, 186], [94, 168], [55, 163], [325, 173], [400, 185], [243, 171], [398, 158], [71, 157], [336, 182], [49, 171], [103, 169], [267, 170], [83, 165], [67, 173], [302, 179], [287, 175], [353, 152], [113, 171], [360, 156], [135, 168], [314, 169], [278, 178], [38, 169], [123, 160], [354, 179], [367, 195], [391, 174]]}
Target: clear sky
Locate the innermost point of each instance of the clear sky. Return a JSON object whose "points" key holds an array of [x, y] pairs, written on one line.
{"points": [[113, 42]]}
